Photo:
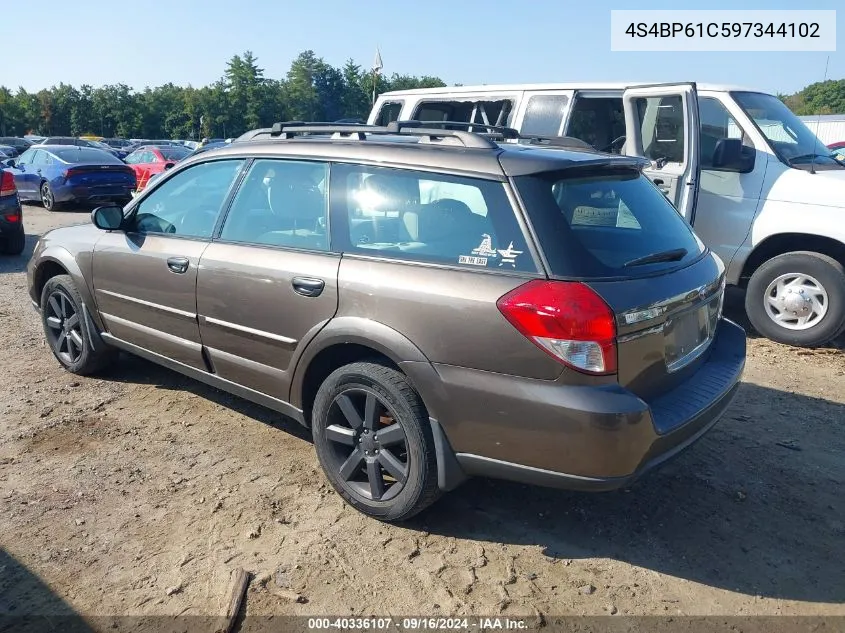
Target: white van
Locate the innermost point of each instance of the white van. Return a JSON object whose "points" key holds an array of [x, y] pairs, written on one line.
{"points": [[758, 187]]}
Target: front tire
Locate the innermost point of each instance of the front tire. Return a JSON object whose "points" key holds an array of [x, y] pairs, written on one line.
{"points": [[374, 441], [67, 329], [15, 242], [798, 299]]}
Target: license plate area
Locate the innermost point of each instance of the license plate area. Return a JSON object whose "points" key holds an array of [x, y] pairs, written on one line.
{"points": [[688, 334]]}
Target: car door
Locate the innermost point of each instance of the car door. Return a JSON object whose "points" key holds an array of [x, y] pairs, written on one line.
{"points": [[24, 173], [268, 283], [145, 276], [661, 124]]}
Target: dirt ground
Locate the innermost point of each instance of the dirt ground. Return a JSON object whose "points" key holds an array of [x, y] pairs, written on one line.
{"points": [[138, 492]]}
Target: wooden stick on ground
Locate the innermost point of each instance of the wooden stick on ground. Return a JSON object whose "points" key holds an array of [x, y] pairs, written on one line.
{"points": [[236, 599]]}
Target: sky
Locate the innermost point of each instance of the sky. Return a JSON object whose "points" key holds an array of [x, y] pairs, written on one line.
{"points": [[461, 41]]}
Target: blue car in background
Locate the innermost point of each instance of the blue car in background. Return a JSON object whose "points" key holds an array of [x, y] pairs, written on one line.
{"points": [[59, 174]]}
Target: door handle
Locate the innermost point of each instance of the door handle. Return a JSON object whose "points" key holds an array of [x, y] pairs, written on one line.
{"points": [[178, 264], [308, 286]]}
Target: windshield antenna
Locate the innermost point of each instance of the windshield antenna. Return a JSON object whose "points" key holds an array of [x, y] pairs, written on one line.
{"points": [[818, 122]]}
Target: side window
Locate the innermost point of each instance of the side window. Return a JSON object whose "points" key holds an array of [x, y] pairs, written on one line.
{"points": [[487, 112], [389, 112], [599, 121], [27, 157], [38, 158], [662, 125], [152, 158], [131, 159], [188, 203], [544, 115], [426, 217], [718, 124], [281, 203], [146, 158]]}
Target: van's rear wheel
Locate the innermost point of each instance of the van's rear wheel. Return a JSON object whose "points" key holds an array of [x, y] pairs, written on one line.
{"points": [[798, 299], [374, 441]]}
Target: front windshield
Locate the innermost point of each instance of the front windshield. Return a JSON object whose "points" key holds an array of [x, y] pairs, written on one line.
{"points": [[793, 142]]}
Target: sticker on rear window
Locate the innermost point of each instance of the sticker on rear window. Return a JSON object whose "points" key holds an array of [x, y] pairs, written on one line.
{"points": [[485, 249], [472, 260], [509, 255]]}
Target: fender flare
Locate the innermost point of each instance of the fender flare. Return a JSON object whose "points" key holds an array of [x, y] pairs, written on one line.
{"points": [[355, 330], [61, 256]]}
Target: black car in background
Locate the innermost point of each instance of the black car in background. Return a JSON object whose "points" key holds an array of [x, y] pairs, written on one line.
{"points": [[20, 144], [12, 237]]}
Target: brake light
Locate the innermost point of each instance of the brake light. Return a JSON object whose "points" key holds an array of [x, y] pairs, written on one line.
{"points": [[567, 320], [69, 173], [7, 183], [12, 217]]}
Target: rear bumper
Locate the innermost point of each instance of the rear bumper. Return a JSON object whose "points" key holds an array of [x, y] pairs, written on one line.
{"points": [[581, 437], [94, 194]]}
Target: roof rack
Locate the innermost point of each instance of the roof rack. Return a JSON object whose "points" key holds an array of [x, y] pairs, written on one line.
{"points": [[287, 130], [485, 129], [557, 141]]}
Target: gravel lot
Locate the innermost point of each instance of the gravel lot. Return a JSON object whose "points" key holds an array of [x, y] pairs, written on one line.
{"points": [[138, 492]]}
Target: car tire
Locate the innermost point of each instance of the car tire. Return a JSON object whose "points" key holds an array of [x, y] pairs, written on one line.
{"points": [[68, 331], [48, 198], [374, 441], [793, 287], [15, 242]]}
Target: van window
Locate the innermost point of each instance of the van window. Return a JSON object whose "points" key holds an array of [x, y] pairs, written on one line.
{"points": [[544, 115], [487, 112], [389, 112], [600, 121], [716, 124], [662, 127], [597, 222], [427, 217]]}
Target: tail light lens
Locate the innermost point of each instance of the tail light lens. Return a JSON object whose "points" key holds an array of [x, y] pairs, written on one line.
{"points": [[70, 173], [7, 183], [567, 320]]}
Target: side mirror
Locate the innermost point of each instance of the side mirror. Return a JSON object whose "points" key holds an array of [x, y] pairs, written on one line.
{"points": [[107, 218], [728, 155], [169, 165], [10, 162]]}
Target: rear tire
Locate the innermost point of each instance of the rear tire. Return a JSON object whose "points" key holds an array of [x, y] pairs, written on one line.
{"points": [[48, 198], [798, 299], [374, 441], [68, 331], [15, 242]]}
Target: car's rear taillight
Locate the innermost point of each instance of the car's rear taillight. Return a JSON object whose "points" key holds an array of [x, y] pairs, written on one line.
{"points": [[567, 320], [70, 173], [7, 183]]}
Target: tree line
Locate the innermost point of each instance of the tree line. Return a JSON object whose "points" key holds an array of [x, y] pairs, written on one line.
{"points": [[823, 97], [242, 99]]}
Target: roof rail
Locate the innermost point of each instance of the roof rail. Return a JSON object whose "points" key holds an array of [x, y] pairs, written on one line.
{"points": [[287, 130], [557, 141], [485, 129]]}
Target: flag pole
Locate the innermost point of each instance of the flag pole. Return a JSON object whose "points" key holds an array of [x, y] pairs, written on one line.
{"points": [[377, 66]]}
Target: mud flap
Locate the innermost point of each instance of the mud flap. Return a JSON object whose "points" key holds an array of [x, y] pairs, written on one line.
{"points": [[450, 475]]}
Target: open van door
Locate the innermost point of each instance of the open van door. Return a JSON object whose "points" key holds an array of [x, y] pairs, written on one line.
{"points": [[661, 124]]}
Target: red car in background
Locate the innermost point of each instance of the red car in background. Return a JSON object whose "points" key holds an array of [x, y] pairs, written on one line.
{"points": [[149, 160]]}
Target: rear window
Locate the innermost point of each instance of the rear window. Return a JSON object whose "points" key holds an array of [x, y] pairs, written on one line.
{"points": [[174, 153], [599, 222], [86, 155]]}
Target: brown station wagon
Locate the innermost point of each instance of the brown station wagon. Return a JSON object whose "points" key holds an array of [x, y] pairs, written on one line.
{"points": [[434, 304]]}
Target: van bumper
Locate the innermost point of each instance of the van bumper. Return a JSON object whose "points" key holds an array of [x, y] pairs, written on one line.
{"points": [[578, 437]]}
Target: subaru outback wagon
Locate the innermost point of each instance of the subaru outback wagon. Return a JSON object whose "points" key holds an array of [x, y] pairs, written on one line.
{"points": [[434, 304]]}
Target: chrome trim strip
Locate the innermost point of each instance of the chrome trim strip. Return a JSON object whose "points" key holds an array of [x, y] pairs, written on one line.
{"points": [[657, 329], [178, 340], [248, 330], [149, 304]]}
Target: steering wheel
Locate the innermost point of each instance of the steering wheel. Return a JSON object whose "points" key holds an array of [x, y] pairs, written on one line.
{"points": [[620, 141], [149, 223], [199, 218]]}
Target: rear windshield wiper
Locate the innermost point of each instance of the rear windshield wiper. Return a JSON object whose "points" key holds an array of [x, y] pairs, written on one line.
{"points": [[672, 255]]}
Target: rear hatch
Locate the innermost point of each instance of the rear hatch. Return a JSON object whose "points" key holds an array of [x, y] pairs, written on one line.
{"points": [[610, 228]]}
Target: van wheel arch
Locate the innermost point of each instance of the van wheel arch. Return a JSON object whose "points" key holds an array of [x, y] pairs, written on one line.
{"points": [[784, 243]]}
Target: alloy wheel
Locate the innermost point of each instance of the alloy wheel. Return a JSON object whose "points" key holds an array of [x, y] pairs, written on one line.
{"points": [[47, 197], [367, 445], [64, 327]]}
